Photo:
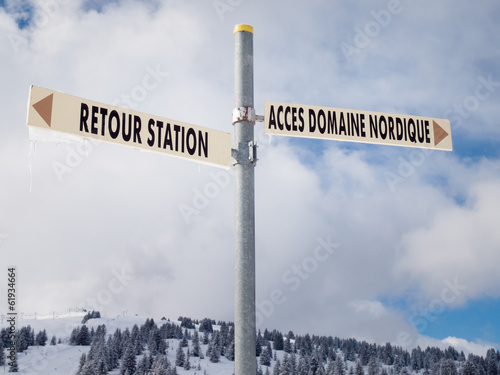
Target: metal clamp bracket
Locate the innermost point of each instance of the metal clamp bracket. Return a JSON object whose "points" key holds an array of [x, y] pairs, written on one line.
{"points": [[252, 152], [244, 114]]}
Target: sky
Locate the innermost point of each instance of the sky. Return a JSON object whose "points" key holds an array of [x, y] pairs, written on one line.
{"points": [[376, 242]]}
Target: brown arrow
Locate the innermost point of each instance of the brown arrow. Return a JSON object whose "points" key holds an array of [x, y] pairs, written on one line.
{"points": [[44, 108], [439, 133]]}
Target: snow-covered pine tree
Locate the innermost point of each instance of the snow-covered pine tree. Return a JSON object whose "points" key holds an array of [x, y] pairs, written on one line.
{"points": [[214, 354], [339, 367], [278, 342], [159, 366], [84, 336], [266, 356], [206, 337], [285, 368], [41, 338], [180, 357], [112, 354], [187, 363], [314, 362], [468, 368], [492, 362], [230, 351], [258, 347], [448, 367], [153, 341], [2, 354], [129, 364], [277, 368], [373, 368], [184, 341], [142, 366], [196, 344], [303, 365], [358, 368]]}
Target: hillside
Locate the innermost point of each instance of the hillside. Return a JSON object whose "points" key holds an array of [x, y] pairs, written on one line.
{"points": [[191, 347]]}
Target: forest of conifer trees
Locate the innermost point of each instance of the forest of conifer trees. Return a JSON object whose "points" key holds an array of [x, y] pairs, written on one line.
{"points": [[142, 350]]}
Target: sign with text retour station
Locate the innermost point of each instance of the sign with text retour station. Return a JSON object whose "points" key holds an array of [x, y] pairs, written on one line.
{"points": [[356, 126], [69, 114]]}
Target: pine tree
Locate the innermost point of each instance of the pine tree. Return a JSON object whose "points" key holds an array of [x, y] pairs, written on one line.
{"points": [[277, 368], [128, 361], [206, 337], [102, 368], [2, 354], [187, 364], [180, 357], [339, 368], [258, 347], [314, 363], [196, 344], [278, 342], [468, 368], [184, 341], [230, 351], [83, 359], [303, 365], [160, 366], [84, 336], [214, 354], [266, 356], [373, 368], [142, 366], [358, 370], [285, 368], [448, 367], [491, 362]]}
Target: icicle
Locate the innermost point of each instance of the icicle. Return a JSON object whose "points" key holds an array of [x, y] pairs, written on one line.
{"points": [[86, 146], [31, 157]]}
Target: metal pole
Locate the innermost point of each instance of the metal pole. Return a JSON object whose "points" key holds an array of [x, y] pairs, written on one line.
{"points": [[244, 154]]}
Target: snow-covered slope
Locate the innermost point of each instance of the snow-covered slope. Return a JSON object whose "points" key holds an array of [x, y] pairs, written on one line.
{"points": [[63, 359]]}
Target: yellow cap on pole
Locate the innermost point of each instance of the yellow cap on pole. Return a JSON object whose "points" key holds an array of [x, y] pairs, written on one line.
{"points": [[243, 28]]}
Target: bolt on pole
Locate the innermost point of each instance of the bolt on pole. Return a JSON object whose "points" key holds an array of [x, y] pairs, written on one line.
{"points": [[245, 159]]}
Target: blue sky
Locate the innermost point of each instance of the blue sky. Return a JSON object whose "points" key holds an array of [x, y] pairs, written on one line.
{"points": [[408, 222]]}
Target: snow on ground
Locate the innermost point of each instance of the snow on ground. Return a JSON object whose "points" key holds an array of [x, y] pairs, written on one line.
{"points": [[63, 359]]}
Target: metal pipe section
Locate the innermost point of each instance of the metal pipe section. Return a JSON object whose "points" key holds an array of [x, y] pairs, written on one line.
{"points": [[245, 360]]}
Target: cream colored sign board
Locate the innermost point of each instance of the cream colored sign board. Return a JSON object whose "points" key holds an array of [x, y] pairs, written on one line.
{"points": [[64, 113], [357, 126]]}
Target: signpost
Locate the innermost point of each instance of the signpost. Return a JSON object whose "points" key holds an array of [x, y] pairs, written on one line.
{"points": [[49, 109], [68, 114], [357, 126], [245, 155]]}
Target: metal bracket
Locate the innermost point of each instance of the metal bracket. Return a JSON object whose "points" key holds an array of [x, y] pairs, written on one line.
{"points": [[244, 114], [252, 152]]}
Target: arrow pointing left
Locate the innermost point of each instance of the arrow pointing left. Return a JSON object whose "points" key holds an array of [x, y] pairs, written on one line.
{"points": [[44, 108]]}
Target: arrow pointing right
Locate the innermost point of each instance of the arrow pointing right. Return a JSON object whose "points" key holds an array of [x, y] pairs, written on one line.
{"points": [[439, 133]]}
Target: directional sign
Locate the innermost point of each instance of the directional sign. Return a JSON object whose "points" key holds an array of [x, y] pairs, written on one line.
{"points": [[53, 110], [357, 126]]}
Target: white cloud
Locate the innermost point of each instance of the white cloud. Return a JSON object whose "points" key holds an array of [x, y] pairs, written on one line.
{"points": [[479, 348], [460, 241]]}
